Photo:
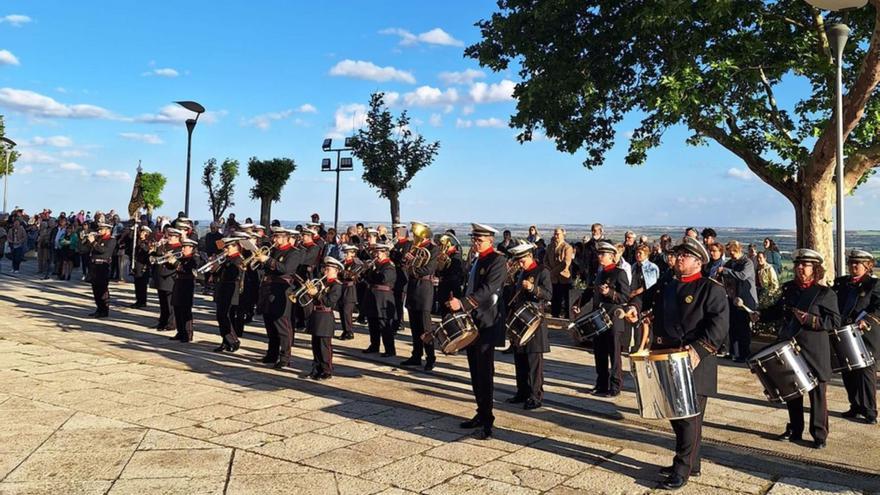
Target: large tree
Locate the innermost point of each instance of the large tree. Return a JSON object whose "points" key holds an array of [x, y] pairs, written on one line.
{"points": [[390, 152], [269, 179], [13, 155], [713, 66], [220, 195], [152, 184]]}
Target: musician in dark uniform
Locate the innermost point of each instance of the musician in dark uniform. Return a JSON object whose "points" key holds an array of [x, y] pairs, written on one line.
{"points": [[858, 297], [350, 277], [451, 272], [402, 246], [420, 298], [308, 263], [230, 280], [364, 254], [689, 311], [182, 292], [101, 247], [379, 301], [610, 292], [808, 310], [185, 226], [140, 266], [163, 278], [482, 302], [533, 286], [279, 267], [247, 303], [321, 323]]}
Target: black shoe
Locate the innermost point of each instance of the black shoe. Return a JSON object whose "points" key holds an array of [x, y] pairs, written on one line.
{"points": [[670, 470], [613, 393], [165, 329], [314, 375], [484, 434], [324, 376], [388, 354], [220, 348], [233, 347], [92, 314], [819, 444], [851, 414], [531, 404], [102, 315], [370, 350], [871, 421], [281, 364], [471, 423], [411, 362], [429, 364], [267, 359], [673, 482], [176, 337], [599, 392], [516, 399], [347, 336], [789, 436]]}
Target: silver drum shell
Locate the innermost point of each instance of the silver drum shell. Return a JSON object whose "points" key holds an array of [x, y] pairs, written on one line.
{"points": [[782, 371], [665, 387], [850, 350]]}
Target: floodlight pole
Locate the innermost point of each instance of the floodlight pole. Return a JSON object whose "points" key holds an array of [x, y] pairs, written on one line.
{"points": [[328, 147]]}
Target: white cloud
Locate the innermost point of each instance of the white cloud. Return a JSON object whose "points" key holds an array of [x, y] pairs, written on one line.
{"points": [[435, 36], [467, 110], [428, 96], [29, 155], [176, 114], [463, 124], [347, 118], [55, 141], [740, 174], [436, 120], [61, 89], [16, 20], [490, 93], [7, 58], [24, 170], [164, 72], [144, 138], [467, 76], [112, 175], [490, 122], [71, 166], [31, 103], [74, 153], [307, 108], [392, 98], [368, 70], [264, 121]]}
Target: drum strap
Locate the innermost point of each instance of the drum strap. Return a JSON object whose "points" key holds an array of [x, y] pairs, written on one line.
{"points": [[671, 316], [849, 305]]}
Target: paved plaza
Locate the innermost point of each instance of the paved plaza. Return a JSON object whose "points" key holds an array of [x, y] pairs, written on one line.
{"points": [[112, 406]]}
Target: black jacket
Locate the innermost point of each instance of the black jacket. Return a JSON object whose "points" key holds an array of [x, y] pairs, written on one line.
{"points": [[483, 296], [229, 282], [542, 291], [321, 323], [695, 314], [278, 273], [618, 282], [163, 274], [102, 250], [420, 283], [379, 300], [308, 261], [397, 253], [819, 301], [350, 277], [451, 278], [184, 281], [853, 298]]}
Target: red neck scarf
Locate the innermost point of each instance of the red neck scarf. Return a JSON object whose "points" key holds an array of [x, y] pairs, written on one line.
{"points": [[234, 255], [691, 278], [106, 236], [385, 261], [807, 285], [608, 268], [489, 250], [532, 266]]}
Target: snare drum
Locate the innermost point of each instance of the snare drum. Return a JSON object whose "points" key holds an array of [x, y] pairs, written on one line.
{"points": [[455, 332], [524, 324], [665, 386], [783, 372], [589, 325], [849, 349]]}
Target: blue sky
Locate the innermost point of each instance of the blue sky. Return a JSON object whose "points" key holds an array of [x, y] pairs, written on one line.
{"points": [[86, 89]]}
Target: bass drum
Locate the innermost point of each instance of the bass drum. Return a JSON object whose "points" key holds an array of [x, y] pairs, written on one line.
{"points": [[850, 351], [665, 384], [524, 323], [783, 372], [455, 332]]}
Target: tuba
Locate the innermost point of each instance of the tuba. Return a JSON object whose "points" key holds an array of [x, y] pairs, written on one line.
{"points": [[446, 241], [420, 256]]}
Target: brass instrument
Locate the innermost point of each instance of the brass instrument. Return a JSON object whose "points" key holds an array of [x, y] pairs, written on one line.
{"points": [[253, 260], [419, 256], [212, 264], [446, 241], [358, 270], [166, 258], [513, 270], [301, 296]]}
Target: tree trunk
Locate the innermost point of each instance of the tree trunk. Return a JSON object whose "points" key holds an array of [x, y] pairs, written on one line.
{"points": [[815, 221], [394, 199], [265, 211]]}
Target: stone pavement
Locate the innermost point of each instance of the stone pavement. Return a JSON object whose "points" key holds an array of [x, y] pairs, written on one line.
{"points": [[112, 406]]}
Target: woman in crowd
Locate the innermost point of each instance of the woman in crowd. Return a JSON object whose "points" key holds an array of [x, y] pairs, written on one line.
{"points": [[767, 281], [533, 236], [773, 256], [69, 250]]}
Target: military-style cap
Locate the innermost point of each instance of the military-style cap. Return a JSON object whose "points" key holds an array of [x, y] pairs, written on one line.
{"points": [[144, 228], [259, 227], [521, 250], [479, 229], [859, 256], [173, 231], [372, 231], [313, 225], [229, 241], [183, 221], [281, 230], [605, 247], [381, 246], [189, 242], [245, 225], [331, 261], [398, 225], [694, 247], [309, 230], [807, 255], [347, 247]]}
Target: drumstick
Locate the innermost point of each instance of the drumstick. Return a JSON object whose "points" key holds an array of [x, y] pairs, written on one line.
{"points": [[739, 303]]}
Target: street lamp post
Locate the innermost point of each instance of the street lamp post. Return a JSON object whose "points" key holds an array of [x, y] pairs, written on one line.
{"points": [[837, 36], [8, 144], [343, 164], [190, 126]]}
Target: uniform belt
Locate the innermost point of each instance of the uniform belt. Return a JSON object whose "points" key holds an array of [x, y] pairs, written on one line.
{"points": [[382, 288], [349, 284], [426, 277], [322, 309], [279, 279], [100, 261]]}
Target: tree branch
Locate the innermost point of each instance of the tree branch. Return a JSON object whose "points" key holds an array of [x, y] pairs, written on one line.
{"points": [[858, 163], [774, 109]]}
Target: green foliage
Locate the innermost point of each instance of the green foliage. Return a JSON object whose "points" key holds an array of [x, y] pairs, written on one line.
{"points": [[220, 196], [13, 156], [152, 184], [269, 176], [391, 154], [711, 65]]}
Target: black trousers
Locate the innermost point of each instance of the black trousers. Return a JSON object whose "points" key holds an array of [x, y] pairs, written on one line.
{"points": [[861, 388], [280, 333], [346, 318], [230, 320], [559, 303], [399, 300], [322, 354], [100, 287], [688, 438], [818, 413], [529, 375], [740, 334], [481, 364], [166, 310], [183, 317], [140, 289], [606, 349], [380, 328], [420, 322]]}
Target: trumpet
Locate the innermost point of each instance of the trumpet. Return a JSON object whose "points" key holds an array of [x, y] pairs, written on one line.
{"points": [[301, 296], [166, 258], [212, 263], [253, 260]]}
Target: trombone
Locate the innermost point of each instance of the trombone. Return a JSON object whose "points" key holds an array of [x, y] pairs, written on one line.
{"points": [[253, 260], [166, 258], [301, 295], [212, 263]]}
